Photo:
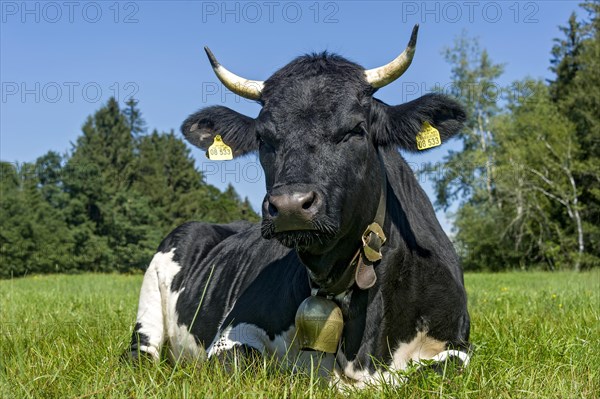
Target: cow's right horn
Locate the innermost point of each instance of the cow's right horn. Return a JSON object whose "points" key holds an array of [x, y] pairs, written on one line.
{"points": [[246, 88], [384, 75]]}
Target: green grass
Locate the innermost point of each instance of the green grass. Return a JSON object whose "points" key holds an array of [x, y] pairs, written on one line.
{"points": [[536, 335]]}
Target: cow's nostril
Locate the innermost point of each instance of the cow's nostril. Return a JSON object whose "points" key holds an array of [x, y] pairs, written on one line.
{"points": [[309, 200], [272, 210]]}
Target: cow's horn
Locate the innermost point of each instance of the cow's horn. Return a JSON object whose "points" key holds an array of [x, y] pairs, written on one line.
{"points": [[384, 75], [246, 88]]}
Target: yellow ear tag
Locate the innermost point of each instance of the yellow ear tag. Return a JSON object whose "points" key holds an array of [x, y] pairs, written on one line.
{"points": [[219, 151], [428, 137]]}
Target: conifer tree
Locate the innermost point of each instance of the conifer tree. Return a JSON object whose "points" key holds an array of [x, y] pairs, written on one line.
{"points": [[34, 237], [135, 121]]}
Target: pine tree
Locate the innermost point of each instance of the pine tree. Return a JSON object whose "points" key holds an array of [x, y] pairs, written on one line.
{"points": [[565, 58], [135, 121], [34, 237], [101, 172], [166, 174], [176, 189]]}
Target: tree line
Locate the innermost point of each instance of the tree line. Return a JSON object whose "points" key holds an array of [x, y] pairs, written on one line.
{"points": [[527, 181], [526, 184], [106, 205]]}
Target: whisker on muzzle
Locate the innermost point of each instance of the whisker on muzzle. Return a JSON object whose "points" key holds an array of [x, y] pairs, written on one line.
{"points": [[321, 232]]}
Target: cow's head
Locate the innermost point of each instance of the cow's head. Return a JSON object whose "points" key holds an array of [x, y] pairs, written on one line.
{"points": [[317, 137]]}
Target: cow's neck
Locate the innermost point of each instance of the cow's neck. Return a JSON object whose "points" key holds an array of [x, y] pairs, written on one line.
{"points": [[346, 265]]}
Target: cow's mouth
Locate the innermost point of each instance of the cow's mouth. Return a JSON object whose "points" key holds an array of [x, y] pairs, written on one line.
{"points": [[320, 236], [303, 239]]}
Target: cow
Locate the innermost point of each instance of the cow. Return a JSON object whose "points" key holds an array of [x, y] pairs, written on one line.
{"points": [[344, 222]]}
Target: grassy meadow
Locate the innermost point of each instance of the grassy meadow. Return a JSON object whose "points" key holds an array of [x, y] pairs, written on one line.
{"points": [[535, 335]]}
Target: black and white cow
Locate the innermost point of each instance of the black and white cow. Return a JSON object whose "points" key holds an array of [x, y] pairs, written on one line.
{"points": [[329, 150]]}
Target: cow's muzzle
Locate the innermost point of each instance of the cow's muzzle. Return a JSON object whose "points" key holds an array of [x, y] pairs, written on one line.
{"points": [[292, 212], [297, 219]]}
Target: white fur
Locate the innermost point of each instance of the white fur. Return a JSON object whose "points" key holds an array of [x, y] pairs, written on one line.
{"points": [[156, 310], [420, 348], [150, 308]]}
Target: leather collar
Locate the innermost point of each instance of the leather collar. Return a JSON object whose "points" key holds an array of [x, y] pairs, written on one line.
{"points": [[360, 270]]}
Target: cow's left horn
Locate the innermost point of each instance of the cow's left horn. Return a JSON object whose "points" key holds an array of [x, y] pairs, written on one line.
{"points": [[246, 88], [384, 75]]}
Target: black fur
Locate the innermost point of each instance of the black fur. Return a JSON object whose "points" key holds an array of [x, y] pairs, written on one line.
{"points": [[138, 339]]}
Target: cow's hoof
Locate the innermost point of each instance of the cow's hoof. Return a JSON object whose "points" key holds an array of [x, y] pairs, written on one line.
{"points": [[137, 357], [452, 365], [239, 358]]}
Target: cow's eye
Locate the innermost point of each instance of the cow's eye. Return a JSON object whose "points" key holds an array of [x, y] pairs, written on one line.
{"points": [[358, 131]]}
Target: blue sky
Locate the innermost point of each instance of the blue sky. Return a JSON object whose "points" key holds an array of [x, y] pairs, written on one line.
{"points": [[60, 61]]}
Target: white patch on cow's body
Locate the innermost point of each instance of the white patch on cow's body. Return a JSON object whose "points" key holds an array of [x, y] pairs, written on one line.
{"points": [[241, 334], [422, 347], [282, 347], [157, 314]]}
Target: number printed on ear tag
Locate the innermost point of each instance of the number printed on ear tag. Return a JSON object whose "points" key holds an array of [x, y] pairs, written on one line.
{"points": [[428, 137], [219, 151]]}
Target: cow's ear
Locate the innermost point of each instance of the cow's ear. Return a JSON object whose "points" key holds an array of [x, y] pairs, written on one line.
{"points": [[399, 125], [236, 130]]}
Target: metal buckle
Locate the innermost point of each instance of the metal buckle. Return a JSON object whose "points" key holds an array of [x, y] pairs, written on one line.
{"points": [[373, 239]]}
